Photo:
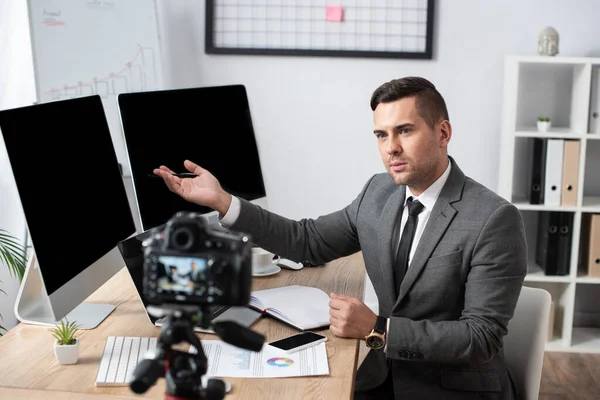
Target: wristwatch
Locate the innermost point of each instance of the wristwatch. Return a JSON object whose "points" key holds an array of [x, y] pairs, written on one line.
{"points": [[376, 339]]}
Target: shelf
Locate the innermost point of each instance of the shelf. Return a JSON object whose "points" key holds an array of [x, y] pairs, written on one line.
{"points": [[523, 204], [585, 340], [566, 90], [556, 344], [552, 133], [582, 278], [535, 274], [528, 59]]}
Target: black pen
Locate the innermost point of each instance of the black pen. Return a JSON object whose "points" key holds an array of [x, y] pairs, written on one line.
{"points": [[180, 175]]}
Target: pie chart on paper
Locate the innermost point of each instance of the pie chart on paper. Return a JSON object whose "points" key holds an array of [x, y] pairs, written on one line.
{"points": [[280, 362]]}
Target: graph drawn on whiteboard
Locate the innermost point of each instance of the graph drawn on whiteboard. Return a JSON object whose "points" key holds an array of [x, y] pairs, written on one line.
{"points": [[136, 75], [102, 47]]}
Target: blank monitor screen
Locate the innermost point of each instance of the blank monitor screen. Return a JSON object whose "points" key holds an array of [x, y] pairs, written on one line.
{"points": [[68, 178], [210, 126]]}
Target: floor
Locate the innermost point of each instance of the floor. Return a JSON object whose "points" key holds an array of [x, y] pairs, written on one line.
{"points": [[565, 376]]}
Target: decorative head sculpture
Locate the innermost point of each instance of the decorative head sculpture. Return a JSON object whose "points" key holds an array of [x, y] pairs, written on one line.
{"points": [[548, 42]]}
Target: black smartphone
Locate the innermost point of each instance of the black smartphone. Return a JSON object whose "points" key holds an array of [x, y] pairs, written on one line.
{"points": [[299, 342]]}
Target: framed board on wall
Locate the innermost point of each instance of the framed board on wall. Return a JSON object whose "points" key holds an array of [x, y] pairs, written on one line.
{"points": [[326, 28]]}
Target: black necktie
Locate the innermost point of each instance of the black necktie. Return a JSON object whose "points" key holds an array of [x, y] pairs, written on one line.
{"points": [[408, 234]]}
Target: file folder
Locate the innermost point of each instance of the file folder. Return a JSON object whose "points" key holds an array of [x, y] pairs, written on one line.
{"points": [[547, 242], [554, 167], [535, 194], [570, 173], [594, 247], [553, 251], [565, 235]]}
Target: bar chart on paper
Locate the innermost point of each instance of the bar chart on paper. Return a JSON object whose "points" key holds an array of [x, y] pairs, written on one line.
{"points": [[95, 47]]}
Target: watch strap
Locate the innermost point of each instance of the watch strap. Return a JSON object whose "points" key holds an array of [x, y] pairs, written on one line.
{"points": [[380, 325]]}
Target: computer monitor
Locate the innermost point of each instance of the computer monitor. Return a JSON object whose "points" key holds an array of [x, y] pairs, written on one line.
{"points": [[210, 126], [75, 205]]}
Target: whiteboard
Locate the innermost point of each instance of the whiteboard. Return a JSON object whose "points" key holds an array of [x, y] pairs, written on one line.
{"points": [[103, 47]]}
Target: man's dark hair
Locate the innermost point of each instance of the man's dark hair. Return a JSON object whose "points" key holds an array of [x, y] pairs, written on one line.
{"points": [[430, 103]]}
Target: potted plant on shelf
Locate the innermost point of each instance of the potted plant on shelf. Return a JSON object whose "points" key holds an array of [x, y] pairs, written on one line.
{"points": [[66, 345], [543, 124], [12, 254]]}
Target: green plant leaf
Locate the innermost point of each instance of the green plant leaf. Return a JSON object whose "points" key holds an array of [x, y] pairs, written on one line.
{"points": [[12, 254], [65, 333]]}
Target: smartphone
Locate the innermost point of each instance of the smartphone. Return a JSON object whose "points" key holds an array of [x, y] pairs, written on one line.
{"points": [[299, 342]]}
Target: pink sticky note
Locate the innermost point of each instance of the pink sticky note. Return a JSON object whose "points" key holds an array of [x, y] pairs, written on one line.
{"points": [[334, 13]]}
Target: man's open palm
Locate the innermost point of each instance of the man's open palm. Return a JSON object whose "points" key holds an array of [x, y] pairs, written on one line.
{"points": [[204, 189]]}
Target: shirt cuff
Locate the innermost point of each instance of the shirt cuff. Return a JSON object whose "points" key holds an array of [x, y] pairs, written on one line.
{"points": [[387, 329], [233, 213]]}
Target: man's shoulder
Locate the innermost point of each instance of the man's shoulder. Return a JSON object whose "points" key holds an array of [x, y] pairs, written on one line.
{"points": [[382, 180], [380, 184], [485, 198]]}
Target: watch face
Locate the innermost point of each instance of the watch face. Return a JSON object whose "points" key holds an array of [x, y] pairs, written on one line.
{"points": [[375, 342]]}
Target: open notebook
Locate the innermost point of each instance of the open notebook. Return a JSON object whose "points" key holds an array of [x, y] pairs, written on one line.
{"points": [[302, 307]]}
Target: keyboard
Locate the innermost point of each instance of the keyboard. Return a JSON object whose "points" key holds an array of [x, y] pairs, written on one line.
{"points": [[122, 354], [120, 357]]}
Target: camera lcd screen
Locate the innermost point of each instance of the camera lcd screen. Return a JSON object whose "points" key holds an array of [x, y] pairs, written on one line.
{"points": [[181, 275]]}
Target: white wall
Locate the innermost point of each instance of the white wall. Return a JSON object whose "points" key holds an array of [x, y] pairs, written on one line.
{"points": [[16, 89], [311, 114]]}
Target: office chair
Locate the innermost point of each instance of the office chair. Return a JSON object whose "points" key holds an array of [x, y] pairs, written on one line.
{"points": [[526, 339]]}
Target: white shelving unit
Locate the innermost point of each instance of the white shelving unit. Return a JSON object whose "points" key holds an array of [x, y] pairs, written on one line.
{"points": [[566, 89]]}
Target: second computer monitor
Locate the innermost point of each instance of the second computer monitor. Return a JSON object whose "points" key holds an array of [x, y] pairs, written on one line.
{"points": [[210, 126]]}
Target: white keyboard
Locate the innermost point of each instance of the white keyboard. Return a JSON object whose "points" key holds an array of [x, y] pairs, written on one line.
{"points": [[121, 356]]}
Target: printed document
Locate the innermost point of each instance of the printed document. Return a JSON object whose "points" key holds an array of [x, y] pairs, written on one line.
{"points": [[227, 361]]}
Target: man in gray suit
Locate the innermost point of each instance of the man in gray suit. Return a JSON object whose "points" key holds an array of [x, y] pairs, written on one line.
{"points": [[446, 256]]}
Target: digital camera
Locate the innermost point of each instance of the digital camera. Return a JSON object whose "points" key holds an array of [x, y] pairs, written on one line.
{"points": [[193, 262]]}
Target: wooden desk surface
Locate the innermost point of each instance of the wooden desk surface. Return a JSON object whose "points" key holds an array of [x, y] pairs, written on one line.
{"points": [[27, 359]]}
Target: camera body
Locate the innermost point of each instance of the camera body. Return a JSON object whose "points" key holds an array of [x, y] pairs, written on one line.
{"points": [[192, 262]]}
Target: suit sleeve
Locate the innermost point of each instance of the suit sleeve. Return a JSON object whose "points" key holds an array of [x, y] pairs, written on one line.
{"points": [[316, 240], [498, 268]]}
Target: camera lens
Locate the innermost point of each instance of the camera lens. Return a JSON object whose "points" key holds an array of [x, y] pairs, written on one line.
{"points": [[182, 238]]}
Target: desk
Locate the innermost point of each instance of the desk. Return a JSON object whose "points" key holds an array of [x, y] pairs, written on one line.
{"points": [[28, 368]]}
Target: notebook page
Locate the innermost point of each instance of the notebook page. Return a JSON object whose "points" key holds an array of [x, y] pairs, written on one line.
{"points": [[305, 306]]}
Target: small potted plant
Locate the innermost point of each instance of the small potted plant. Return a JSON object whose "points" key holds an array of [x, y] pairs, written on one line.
{"points": [[543, 124], [66, 345]]}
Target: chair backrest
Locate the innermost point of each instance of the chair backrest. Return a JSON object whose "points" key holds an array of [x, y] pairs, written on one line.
{"points": [[526, 340]]}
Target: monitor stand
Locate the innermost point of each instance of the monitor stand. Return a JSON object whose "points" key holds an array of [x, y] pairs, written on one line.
{"points": [[33, 305]]}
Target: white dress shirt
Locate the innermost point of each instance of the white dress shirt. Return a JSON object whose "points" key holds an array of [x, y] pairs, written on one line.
{"points": [[428, 199]]}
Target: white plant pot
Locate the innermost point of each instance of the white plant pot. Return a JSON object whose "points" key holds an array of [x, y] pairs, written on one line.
{"points": [[543, 126], [66, 354]]}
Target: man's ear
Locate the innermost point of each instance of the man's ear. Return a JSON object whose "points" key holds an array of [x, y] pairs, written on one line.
{"points": [[444, 133]]}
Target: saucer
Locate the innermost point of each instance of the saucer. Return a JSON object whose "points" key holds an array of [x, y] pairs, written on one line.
{"points": [[270, 272]]}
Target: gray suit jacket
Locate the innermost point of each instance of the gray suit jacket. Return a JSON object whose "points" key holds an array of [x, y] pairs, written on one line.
{"points": [[447, 324]]}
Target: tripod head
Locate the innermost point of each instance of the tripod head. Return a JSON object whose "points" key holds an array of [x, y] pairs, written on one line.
{"points": [[183, 371]]}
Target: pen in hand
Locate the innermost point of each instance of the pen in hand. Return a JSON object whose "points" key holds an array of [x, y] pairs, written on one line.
{"points": [[180, 175]]}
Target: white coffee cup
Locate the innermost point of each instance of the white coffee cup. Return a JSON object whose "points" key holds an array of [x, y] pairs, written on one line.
{"points": [[262, 261]]}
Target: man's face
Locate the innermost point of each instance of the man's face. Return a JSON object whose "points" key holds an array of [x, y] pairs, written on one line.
{"points": [[194, 266], [413, 153]]}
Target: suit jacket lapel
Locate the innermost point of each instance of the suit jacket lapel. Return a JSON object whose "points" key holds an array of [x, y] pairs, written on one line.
{"points": [[387, 221], [440, 218]]}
